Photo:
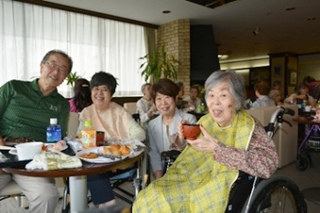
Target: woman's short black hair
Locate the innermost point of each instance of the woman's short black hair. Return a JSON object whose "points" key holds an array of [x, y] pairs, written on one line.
{"points": [[104, 78], [165, 87]]}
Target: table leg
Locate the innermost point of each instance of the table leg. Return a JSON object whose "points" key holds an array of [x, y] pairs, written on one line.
{"points": [[144, 175], [78, 193]]}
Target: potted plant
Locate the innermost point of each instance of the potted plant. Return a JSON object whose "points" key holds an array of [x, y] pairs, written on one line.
{"points": [[72, 78], [159, 64]]}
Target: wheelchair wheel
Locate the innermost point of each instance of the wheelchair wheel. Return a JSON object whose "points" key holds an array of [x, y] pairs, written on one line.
{"points": [[302, 163], [308, 155], [277, 194]]}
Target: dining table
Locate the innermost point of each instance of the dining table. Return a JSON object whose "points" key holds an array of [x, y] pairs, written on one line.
{"points": [[77, 176]]}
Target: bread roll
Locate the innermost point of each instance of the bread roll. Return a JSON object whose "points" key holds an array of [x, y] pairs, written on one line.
{"points": [[116, 152], [124, 150], [106, 151], [115, 147]]}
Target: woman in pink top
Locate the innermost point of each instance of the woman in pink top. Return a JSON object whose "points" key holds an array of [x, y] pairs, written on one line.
{"points": [[82, 96]]}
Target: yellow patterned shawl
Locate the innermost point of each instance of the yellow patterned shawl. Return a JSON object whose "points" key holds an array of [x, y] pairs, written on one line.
{"points": [[196, 182]]}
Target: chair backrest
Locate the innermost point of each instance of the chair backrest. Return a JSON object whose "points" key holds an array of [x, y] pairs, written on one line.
{"points": [[73, 123], [131, 107]]}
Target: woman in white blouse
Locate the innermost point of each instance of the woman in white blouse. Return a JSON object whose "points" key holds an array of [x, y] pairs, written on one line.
{"points": [[163, 130], [145, 105]]}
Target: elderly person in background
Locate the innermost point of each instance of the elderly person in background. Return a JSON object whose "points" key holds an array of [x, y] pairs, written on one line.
{"points": [[276, 96], [180, 102], [114, 121], [145, 105], [162, 131], [192, 100], [300, 96], [313, 86], [262, 89], [231, 141]]}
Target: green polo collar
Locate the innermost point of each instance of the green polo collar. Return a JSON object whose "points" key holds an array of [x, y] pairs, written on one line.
{"points": [[35, 87]]}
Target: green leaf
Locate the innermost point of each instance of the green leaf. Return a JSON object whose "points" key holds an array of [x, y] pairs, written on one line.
{"points": [[158, 64]]}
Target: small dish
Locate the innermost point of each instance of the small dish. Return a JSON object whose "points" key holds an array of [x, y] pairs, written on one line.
{"points": [[13, 152]]}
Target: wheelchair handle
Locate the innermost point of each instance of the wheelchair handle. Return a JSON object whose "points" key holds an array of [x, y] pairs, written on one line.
{"points": [[280, 112], [288, 111]]}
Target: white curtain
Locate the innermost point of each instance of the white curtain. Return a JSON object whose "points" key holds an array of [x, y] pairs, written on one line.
{"points": [[28, 31]]}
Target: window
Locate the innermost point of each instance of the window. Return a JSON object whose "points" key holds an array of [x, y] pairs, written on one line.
{"points": [[95, 44]]}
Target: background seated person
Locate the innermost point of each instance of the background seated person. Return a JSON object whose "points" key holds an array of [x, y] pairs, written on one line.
{"points": [[180, 102], [231, 140], [82, 95], [145, 105], [313, 86], [192, 100], [162, 130], [116, 123], [276, 96], [262, 89], [300, 96], [25, 112]]}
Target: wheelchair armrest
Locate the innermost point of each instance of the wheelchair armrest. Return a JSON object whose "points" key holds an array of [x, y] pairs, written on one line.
{"points": [[172, 154], [240, 191]]}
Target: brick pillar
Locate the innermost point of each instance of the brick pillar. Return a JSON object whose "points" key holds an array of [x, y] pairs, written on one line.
{"points": [[176, 38]]}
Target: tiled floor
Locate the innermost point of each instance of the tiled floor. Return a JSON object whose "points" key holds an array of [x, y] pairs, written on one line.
{"points": [[305, 179]]}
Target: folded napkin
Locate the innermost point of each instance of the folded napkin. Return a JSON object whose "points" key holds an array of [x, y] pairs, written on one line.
{"points": [[53, 161]]}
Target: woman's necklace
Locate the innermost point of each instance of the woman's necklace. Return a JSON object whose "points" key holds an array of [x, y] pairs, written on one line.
{"points": [[167, 121]]}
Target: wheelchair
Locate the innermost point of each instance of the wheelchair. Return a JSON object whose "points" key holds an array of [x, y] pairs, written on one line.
{"points": [[250, 194]]}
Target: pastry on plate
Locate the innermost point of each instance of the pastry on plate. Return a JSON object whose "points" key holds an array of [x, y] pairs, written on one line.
{"points": [[116, 152], [124, 150], [115, 147], [106, 151]]}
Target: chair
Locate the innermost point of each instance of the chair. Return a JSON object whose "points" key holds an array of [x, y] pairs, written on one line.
{"points": [[73, 123], [133, 174], [253, 194], [11, 190], [131, 107]]}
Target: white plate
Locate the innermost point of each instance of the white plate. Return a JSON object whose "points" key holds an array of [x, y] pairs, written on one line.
{"points": [[100, 159], [50, 145], [14, 151]]}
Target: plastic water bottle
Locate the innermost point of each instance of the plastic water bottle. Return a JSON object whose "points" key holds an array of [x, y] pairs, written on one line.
{"points": [[53, 131]]}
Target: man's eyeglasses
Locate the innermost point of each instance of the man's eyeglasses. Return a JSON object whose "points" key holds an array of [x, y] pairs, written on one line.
{"points": [[52, 66]]}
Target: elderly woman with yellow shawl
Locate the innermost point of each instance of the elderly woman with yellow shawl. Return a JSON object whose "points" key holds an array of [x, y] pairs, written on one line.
{"points": [[231, 141]]}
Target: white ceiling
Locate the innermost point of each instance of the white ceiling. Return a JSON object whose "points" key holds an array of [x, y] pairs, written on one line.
{"points": [[233, 24]]}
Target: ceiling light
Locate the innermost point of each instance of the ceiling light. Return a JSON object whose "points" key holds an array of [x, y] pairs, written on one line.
{"points": [[311, 18], [223, 56], [166, 11]]}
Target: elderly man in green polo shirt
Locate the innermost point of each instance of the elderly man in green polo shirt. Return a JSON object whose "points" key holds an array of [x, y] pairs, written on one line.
{"points": [[25, 112]]}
